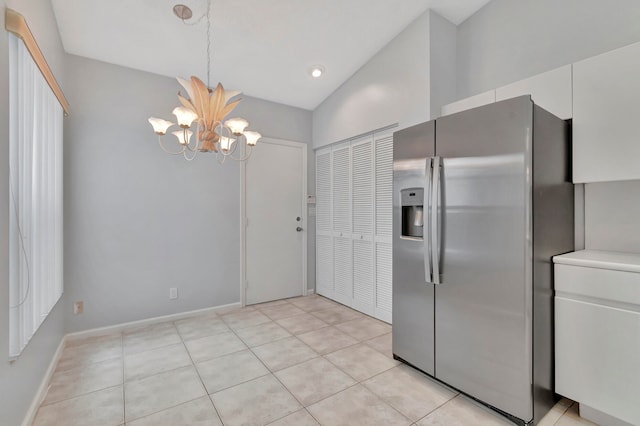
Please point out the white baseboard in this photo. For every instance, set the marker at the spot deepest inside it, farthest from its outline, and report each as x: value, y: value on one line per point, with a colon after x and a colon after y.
x: 41, y: 393
x: 44, y: 385
x: 149, y: 321
x: 311, y: 291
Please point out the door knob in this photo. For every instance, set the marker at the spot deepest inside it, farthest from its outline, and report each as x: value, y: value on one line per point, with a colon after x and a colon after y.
x: 298, y: 219
x: 299, y: 229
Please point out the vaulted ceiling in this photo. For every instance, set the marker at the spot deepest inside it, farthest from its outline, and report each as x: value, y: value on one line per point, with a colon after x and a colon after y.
x: 265, y: 48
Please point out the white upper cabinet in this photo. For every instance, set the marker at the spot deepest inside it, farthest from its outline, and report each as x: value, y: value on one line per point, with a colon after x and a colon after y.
x: 606, y: 111
x: 470, y: 102
x: 550, y: 90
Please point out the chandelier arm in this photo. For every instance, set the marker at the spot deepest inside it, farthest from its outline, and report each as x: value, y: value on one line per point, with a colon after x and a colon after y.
x: 166, y: 150
x: 220, y: 157
x: 186, y: 156
x: 196, y: 139
x: 247, y: 154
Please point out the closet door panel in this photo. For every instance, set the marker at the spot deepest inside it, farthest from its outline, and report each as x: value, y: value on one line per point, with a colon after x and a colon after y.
x: 324, y: 228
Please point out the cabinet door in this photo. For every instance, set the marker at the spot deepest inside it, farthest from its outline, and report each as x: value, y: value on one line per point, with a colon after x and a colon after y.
x: 606, y: 89
x: 383, y: 225
x: 362, y: 216
x: 550, y: 90
x: 324, y: 228
x: 597, y: 351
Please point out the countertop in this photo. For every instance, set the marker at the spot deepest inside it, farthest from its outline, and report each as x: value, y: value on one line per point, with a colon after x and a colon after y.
x: 618, y: 261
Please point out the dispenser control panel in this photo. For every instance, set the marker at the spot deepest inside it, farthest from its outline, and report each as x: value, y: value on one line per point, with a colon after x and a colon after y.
x: 412, y: 200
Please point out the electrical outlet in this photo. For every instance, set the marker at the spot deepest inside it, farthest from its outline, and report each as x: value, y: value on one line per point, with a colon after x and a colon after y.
x: 78, y: 307
x: 173, y: 293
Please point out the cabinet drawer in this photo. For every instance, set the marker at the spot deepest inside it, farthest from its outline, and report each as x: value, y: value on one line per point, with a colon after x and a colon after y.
x: 598, y: 357
x: 605, y: 284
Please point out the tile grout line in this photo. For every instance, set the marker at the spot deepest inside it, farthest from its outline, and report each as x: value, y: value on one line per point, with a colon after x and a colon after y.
x: 173, y: 369
x: 273, y: 375
x: 193, y: 364
x: 564, y: 412
x: 124, y: 400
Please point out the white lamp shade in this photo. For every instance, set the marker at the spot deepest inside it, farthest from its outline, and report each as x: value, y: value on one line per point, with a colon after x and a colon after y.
x: 236, y: 125
x: 252, y: 137
x: 180, y: 134
x: 226, y: 143
x: 185, y: 116
x: 160, y: 126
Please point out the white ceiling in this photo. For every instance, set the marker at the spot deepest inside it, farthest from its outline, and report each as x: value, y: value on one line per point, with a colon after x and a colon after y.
x: 263, y: 47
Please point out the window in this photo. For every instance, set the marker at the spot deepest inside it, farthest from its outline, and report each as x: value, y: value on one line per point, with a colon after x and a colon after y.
x: 35, y: 196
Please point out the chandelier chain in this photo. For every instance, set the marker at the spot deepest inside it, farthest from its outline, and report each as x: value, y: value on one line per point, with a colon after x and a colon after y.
x: 208, y: 43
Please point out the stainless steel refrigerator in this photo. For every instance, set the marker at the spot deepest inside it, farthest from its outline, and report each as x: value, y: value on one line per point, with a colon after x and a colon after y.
x: 482, y: 200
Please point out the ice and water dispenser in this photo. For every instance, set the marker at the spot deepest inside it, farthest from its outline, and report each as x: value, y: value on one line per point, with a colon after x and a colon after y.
x: 412, y: 200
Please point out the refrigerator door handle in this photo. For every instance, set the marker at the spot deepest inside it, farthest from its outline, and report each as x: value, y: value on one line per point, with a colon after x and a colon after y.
x: 436, y: 219
x: 428, y: 174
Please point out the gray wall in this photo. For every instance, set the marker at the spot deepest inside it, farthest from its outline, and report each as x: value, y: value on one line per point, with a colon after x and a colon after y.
x: 442, y: 63
x: 20, y: 380
x: 508, y: 40
x: 393, y: 87
x: 612, y: 216
x: 139, y: 221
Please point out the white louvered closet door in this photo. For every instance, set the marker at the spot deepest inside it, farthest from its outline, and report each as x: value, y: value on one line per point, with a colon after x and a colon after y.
x: 341, y: 206
x: 324, y: 228
x: 362, y: 215
x: 383, y: 224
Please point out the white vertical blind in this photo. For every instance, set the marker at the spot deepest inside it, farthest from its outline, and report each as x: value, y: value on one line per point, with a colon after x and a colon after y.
x: 35, y: 197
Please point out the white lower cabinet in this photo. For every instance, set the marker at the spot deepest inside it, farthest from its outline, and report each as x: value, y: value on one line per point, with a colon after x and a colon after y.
x: 597, y: 333
x: 353, y: 223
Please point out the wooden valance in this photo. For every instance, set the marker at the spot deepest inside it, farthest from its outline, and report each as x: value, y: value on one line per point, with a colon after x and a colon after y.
x: 15, y: 23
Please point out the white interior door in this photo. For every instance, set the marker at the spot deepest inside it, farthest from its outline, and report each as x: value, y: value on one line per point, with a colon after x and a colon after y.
x: 275, y: 236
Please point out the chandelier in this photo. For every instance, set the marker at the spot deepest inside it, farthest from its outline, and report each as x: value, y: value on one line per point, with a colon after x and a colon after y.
x: 202, y: 115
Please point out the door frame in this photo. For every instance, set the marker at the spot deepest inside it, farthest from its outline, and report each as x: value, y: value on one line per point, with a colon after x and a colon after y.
x: 243, y: 215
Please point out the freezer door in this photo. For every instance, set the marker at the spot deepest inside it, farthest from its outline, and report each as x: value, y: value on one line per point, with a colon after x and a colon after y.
x: 483, y: 303
x: 412, y: 291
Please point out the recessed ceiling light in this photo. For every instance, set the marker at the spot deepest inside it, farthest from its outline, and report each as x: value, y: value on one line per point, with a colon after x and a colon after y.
x: 317, y: 71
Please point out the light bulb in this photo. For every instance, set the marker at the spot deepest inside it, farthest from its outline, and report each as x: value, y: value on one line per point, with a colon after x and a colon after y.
x: 160, y: 126
x: 252, y: 137
x: 226, y: 143
x: 317, y: 71
x: 236, y: 125
x: 185, y: 116
x: 180, y: 134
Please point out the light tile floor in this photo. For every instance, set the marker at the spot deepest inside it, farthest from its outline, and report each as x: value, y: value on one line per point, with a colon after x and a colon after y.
x: 301, y: 361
